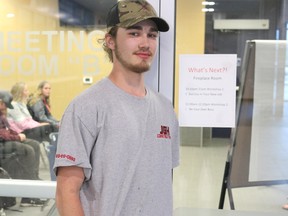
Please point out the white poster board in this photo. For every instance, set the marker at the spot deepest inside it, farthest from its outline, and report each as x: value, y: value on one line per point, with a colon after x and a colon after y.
x: 268, y: 157
x: 207, y: 90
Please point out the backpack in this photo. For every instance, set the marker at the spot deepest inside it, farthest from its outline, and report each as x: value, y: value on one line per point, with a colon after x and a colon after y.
x: 6, y: 202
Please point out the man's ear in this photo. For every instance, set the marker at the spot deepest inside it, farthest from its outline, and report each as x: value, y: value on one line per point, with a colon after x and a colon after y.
x: 109, y: 40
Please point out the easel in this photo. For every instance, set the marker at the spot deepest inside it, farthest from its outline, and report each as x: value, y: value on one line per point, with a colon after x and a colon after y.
x: 241, y: 134
x: 226, y: 182
x: 227, y: 169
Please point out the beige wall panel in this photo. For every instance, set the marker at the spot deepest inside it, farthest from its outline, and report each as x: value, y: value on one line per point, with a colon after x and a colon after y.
x: 34, y: 47
x: 190, y: 33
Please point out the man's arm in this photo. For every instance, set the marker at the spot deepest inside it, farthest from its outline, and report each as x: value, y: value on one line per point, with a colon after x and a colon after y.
x: 69, y: 182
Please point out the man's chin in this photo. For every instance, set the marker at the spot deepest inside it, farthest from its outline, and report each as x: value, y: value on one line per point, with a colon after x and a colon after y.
x: 141, y: 68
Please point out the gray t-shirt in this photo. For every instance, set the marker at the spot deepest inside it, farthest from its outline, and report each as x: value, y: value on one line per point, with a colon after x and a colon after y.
x: 127, y: 146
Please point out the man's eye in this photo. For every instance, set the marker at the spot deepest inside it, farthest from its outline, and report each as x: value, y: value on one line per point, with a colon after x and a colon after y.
x: 134, y: 33
x: 153, y: 35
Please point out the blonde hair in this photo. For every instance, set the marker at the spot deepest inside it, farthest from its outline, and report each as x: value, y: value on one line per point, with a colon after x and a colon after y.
x: 33, y: 98
x: 17, y: 92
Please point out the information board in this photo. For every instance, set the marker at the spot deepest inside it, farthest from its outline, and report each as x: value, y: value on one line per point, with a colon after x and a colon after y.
x: 207, y: 90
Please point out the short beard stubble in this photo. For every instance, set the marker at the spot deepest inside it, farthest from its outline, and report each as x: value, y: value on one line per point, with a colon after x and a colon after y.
x: 137, y: 68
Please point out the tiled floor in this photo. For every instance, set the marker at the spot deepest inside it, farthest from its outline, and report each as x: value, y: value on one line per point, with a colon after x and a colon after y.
x: 30, y: 211
x: 198, y: 181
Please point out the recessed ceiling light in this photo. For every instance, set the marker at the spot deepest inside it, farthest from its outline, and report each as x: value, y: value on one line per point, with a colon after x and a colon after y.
x: 10, y: 15
x: 208, y: 9
x: 208, y: 3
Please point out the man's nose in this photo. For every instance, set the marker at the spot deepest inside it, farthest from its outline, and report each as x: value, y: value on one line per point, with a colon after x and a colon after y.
x: 144, y: 41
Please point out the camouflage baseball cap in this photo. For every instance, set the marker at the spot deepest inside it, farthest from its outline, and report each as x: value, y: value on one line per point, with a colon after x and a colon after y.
x: 127, y: 13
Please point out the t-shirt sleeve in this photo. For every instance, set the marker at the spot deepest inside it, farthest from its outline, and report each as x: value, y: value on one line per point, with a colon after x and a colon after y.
x: 75, y: 142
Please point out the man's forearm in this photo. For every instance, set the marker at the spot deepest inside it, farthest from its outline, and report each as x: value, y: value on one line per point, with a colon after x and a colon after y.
x: 69, y: 204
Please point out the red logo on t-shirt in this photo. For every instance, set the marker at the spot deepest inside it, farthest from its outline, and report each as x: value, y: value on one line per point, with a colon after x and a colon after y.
x: 68, y: 157
x: 164, y: 132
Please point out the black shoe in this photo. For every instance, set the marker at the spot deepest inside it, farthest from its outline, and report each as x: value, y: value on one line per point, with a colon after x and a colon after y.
x: 25, y: 202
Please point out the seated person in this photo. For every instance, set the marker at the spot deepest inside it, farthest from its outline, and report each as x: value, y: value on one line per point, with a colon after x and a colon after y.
x: 18, y: 155
x: 39, y: 105
x: 40, y: 109
x: 20, y: 119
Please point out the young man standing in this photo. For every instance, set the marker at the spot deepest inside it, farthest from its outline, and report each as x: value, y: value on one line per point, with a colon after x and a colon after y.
x: 119, y: 140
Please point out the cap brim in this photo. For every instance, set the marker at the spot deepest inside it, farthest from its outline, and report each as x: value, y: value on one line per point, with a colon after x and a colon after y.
x: 10, y: 106
x: 162, y: 25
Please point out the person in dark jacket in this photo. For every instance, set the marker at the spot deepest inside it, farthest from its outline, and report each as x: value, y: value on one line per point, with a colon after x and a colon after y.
x: 39, y: 105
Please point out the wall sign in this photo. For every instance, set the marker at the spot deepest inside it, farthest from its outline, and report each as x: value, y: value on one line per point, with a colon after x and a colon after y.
x: 207, y: 90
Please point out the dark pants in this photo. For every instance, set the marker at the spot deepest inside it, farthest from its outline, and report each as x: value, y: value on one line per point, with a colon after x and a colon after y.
x: 20, y: 159
x: 40, y: 133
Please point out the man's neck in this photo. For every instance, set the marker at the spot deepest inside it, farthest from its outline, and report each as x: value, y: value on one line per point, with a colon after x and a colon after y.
x: 130, y: 82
